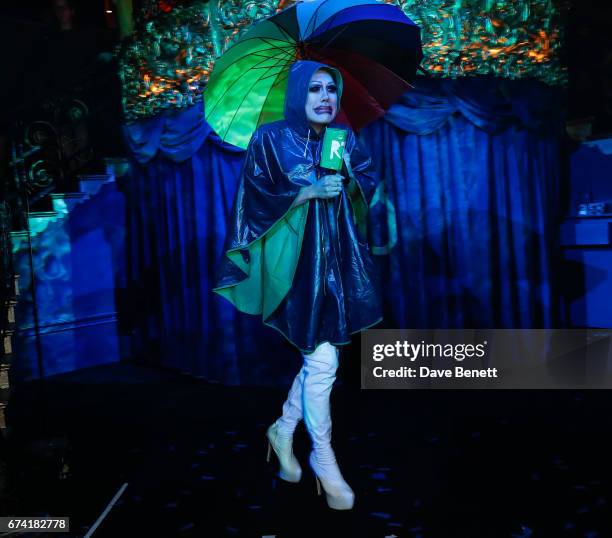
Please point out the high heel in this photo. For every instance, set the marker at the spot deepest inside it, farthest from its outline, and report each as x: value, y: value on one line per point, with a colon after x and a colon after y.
x: 338, y: 493
x: 290, y: 469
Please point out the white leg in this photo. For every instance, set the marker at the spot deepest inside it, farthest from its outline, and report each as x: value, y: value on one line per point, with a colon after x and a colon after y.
x: 292, y: 408
x: 319, y: 375
x: 280, y: 434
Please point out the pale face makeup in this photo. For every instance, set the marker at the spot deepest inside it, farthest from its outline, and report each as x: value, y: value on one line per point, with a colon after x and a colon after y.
x: 322, y: 100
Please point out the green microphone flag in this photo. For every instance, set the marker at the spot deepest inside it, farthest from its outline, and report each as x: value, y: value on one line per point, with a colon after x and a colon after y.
x: 333, y: 149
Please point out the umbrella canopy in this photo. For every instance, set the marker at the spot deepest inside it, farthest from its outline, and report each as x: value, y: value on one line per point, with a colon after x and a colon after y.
x: 374, y: 45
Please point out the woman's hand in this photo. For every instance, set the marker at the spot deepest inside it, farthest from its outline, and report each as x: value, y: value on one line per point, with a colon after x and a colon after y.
x: 327, y: 187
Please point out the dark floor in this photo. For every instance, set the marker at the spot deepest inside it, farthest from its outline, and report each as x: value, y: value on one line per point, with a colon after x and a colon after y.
x: 422, y: 463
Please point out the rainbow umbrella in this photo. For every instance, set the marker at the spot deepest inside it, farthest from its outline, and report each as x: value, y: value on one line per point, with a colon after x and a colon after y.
x: 373, y: 44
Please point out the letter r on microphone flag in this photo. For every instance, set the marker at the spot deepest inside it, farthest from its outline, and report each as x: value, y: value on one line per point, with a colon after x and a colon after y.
x: 333, y: 148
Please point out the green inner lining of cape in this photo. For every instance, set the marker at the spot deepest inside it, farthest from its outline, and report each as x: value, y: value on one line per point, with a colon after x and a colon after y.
x: 273, y: 258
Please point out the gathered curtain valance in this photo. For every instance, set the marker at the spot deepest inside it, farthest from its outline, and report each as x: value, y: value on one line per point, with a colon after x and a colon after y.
x: 491, y: 104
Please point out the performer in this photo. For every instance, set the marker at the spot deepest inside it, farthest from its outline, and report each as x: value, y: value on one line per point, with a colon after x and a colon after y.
x: 296, y: 253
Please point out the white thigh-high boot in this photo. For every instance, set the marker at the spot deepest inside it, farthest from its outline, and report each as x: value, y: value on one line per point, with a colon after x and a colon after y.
x: 292, y: 408
x: 319, y: 376
x: 280, y: 434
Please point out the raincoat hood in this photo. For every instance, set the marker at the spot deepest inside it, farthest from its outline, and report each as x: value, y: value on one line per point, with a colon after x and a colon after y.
x: 297, y: 92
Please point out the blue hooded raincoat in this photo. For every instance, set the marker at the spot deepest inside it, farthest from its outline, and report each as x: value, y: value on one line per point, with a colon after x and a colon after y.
x: 307, y: 269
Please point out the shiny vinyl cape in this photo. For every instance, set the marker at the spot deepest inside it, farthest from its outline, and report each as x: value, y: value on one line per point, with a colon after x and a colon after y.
x: 307, y: 270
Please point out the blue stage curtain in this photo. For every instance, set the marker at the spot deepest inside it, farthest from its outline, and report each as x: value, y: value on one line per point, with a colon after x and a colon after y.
x: 471, y: 170
x: 472, y: 167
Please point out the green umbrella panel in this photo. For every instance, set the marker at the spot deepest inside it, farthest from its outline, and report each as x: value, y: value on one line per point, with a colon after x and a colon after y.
x: 247, y: 87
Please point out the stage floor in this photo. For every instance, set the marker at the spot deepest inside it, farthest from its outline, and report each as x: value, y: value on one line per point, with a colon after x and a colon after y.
x: 422, y: 463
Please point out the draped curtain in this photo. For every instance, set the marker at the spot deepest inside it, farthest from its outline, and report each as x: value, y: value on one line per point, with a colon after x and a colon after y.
x: 471, y: 169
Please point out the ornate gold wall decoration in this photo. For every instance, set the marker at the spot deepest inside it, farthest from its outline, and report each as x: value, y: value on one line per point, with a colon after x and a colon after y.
x: 166, y: 62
